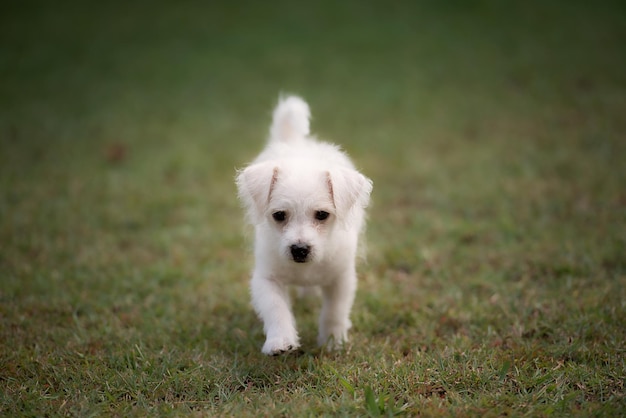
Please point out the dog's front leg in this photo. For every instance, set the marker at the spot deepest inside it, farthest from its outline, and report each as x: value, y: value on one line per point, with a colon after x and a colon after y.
x: 337, y: 300
x: 271, y: 302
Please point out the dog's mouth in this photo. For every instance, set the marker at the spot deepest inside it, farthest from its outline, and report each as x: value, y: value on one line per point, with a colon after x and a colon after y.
x: 300, y: 252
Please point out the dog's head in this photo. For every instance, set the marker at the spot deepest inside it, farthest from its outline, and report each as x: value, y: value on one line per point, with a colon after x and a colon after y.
x: 299, y: 205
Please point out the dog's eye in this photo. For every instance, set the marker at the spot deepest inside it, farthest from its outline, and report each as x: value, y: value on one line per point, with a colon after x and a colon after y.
x: 279, y: 216
x: 321, y: 215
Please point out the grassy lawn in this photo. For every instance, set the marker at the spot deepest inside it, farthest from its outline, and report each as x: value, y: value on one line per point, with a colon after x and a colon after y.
x: 495, y: 133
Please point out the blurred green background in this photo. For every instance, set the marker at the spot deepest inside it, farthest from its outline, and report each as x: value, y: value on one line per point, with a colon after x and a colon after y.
x: 495, y: 135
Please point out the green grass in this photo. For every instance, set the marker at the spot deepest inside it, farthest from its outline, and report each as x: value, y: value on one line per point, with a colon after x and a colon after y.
x: 495, y: 282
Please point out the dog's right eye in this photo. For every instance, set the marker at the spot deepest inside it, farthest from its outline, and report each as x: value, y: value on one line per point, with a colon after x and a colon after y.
x: 279, y: 216
x: 321, y: 215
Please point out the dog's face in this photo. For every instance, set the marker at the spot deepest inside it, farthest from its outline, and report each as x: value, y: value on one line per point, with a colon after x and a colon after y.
x: 299, y: 205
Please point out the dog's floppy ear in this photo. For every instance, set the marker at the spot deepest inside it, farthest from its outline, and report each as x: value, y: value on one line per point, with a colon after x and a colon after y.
x: 255, y: 184
x: 347, y: 189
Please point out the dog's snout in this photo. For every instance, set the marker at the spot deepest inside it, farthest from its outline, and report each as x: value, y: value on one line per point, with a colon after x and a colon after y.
x: 300, y: 252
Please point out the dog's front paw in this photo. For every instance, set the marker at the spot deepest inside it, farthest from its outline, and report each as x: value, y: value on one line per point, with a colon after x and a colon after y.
x: 278, y: 346
x: 333, y: 337
x: 331, y: 343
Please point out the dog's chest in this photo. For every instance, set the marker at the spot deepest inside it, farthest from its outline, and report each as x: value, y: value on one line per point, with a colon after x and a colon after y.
x: 311, y: 275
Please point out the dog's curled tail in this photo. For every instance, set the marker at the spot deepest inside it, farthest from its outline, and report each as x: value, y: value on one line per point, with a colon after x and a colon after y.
x: 290, y: 120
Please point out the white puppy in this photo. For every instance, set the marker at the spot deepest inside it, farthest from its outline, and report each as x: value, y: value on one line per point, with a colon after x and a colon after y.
x: 307, y: 204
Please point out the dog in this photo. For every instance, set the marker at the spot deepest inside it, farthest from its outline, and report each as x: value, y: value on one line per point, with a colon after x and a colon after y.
x: 307, y: 204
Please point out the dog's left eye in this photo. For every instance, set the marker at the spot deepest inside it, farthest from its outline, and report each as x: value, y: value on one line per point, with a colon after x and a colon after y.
x: 321, y: 215
x: 279, y: 216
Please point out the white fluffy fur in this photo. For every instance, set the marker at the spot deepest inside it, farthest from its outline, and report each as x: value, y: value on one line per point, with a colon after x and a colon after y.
x: 301, y: 179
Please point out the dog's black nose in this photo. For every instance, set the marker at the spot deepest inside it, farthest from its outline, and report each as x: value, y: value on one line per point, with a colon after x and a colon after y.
x: 300, y: 252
